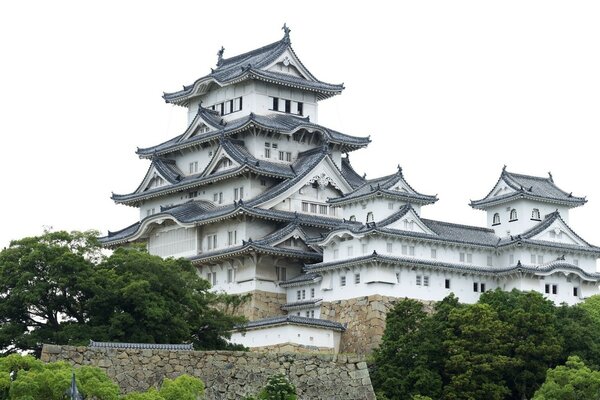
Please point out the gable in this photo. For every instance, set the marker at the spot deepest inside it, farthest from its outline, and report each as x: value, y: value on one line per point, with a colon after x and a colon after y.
x: 410, y: 222
x: 559, y: 232
x: 501, y: 189
x: 152, y: 180
x: 221, y: 161
x: 288, y: 63
x: 324, y: 174
x: 198, y: 127
x: 295, y: 241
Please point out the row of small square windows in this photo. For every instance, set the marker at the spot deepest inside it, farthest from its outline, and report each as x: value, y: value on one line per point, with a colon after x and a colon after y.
x: 535, y: 215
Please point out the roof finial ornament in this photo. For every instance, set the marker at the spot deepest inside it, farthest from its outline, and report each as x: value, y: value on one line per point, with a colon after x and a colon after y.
x: 220, y: 55
x: 286, y: 33
x: 550, y: 176
x: 399, y: 169
x: 504, y: 168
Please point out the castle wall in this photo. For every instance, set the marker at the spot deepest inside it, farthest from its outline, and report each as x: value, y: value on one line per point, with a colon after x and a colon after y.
x: 364, y: 318
x: 227, y: 374
x: 263, y: 305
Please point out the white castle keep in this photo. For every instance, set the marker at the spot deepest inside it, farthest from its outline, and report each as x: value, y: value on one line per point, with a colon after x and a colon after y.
x: 264, y: 200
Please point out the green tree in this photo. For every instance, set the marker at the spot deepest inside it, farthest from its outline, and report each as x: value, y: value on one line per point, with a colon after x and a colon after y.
x: 572, y: 381
x: 26, y: 378
x: 153, y: 300
x: 410, y: 359
x: 58, y: 288
x: 477, y: 349
x: 592, y: 306
x: 580, y: 333
x: 533, y: 338
x: 278, y: 387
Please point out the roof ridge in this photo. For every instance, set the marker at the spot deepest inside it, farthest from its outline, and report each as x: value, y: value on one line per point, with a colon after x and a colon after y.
x: 481, y: 228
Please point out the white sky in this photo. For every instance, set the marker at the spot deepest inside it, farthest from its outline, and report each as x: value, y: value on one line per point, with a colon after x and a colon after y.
x: 451, y: 90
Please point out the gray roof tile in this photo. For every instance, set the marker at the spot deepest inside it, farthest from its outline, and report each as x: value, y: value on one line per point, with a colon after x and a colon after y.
x: 530, y: 187
x: 251, y: 65
x: 293, y: 320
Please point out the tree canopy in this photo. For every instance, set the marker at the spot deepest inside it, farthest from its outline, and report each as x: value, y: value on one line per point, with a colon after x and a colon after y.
x: 25, y: 377
x: 498, y: 348
x: 59, y: 288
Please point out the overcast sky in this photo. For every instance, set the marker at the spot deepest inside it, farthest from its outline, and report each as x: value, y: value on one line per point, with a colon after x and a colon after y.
x: 450, y: 90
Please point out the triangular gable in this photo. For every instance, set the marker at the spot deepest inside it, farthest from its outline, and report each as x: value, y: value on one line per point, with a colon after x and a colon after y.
x: 152, y: 180
x: 559, y: 232
x: 295, y: 240
x: 288, y: 63
x: 220, y: 161
x: 502, y: 188
x: 200, y: 125
x: 410, y: 222
x: 323, y: 174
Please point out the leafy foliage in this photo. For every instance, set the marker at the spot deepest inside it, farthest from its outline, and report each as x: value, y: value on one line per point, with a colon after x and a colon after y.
x: 33, y: 380
x: 26, y: 378
x: 278, y: 387
x: 571, y: 381
x: 499, y: 348
x: 59, y: 289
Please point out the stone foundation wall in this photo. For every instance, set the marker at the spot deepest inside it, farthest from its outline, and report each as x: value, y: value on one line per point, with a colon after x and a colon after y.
x: 364, y: 318
x: 227, y: 374
x: 263, y: 305
x: 293, y: 348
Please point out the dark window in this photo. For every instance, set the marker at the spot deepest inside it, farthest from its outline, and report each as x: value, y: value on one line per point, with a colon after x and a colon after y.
x: 554, y: 289
x: 547, y: 288
x: 496, y: 219
x: 475, y: 286
x: 300, y: 109
x: 275, y: 103
x: 482, y: 287
x: 575, y: 291
x: 288, y: 106
x: 447, y: 284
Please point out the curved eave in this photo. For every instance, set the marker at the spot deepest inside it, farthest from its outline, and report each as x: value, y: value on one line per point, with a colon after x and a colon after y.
x: 543, y: 270
x: 252, y: 248
x: 483, y: 204
x: 545, y: 244
x: 134, y: 199
x: 201, y: 86
x: 291, y: 320
x: 301, y: 305
x: 252, y: 123
x: 301, y: 282
x: 388, y: 194
x: 399, y: 233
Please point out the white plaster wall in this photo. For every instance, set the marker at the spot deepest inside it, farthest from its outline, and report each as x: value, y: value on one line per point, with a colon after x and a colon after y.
x: 281, y: 334
x: 380, y: 207
x: 524, y: 209
x: 173, y: 241
x: 460, y: 284
x: 219, y: 95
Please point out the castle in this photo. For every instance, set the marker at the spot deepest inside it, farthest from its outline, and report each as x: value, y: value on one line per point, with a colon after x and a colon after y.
x: 264, y: 200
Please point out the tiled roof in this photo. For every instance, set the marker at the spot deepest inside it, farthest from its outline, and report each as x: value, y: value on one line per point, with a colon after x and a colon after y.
x: 233, y: 148
x: 251, y: 65
x: 383, y: 187
x: 252, y: 247
x: 293, y: 320
x: 468, y: 268
x: 529, y: 187
x: 141, y: 346
x: 301, y: 305
x: 351, y: 176
x: 283, y: 123
x: 444, y: 231
x: 526, y: 237
x: 301, y: 280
